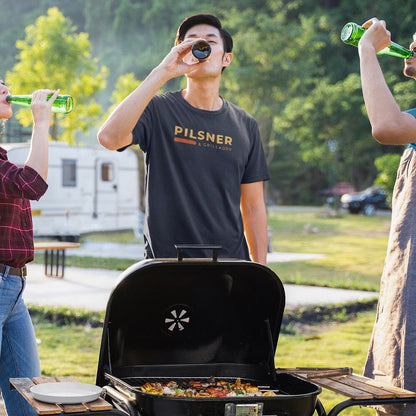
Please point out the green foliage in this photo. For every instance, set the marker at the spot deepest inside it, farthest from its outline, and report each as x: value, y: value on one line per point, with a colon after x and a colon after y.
x: 290, y: 70
x: 327, y: 127
x: 387, y: 166
x: 320, y: 314
x: 124, y: 86
x: 61, y: 316
x: 53, y: 55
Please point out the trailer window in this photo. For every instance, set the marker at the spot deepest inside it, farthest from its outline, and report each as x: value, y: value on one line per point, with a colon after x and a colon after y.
x: 107, y: 172
x: 69, y: 172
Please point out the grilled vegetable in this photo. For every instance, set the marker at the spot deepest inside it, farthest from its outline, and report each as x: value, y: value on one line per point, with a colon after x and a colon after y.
x: 206, y: 388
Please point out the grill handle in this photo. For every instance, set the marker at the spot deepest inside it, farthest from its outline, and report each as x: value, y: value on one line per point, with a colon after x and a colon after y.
x: 181, y: 247
x: 120, y: 401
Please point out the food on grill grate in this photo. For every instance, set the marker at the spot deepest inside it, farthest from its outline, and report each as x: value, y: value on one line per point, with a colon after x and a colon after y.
x: 205, y: 388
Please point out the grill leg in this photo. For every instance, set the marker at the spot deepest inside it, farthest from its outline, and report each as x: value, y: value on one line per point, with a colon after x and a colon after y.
x: 320, y: 408
x: 370, y: 402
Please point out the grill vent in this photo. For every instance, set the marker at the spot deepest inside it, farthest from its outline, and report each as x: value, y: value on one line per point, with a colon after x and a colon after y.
x: 177, y: 319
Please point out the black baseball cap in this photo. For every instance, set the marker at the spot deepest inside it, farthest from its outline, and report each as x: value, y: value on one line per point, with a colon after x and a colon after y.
x: 207, y: 19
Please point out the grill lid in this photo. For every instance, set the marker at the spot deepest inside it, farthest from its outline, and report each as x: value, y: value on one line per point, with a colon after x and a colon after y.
x: 194, y: 317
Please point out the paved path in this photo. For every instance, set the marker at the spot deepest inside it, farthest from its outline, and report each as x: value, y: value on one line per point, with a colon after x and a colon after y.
x: 90, y: 288
x: 135, y: 251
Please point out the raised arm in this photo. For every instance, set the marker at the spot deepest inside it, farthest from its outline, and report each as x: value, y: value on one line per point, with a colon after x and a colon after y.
x: 116, y: 132
x: 389, y: 124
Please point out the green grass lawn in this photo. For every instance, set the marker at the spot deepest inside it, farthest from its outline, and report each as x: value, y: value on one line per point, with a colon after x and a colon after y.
x: 354, y: 247
x: 74, y: 349
x: 331, y: 345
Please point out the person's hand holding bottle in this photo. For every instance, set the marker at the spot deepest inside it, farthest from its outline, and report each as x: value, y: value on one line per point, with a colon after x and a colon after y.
x: 376, y: 36
x: 42, y: 114
x: 42, y: 107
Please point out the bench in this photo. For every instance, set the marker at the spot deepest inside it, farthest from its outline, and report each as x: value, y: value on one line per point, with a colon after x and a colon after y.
x: 55, y: 256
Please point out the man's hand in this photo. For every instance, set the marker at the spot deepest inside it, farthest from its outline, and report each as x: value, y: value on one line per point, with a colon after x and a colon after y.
x: 376, y: 36
x: 174, y: 65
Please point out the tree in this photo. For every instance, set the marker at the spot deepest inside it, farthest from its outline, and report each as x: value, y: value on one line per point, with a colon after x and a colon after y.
x: 276, y: 65
x: 290, y: 70
x: 333, y: 112
x: 53, y: 55
x: 124, y: 86
x: 387, y: 166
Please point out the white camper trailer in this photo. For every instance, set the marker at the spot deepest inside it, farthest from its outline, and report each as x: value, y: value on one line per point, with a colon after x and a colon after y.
x: 90, y: 189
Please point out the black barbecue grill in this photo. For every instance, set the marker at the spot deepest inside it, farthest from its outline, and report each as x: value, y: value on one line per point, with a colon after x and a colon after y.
x: 195, y: 319
x: 186, y: 320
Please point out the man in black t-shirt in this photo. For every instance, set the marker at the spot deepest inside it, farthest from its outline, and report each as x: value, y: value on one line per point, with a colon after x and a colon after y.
x: 205, y: 164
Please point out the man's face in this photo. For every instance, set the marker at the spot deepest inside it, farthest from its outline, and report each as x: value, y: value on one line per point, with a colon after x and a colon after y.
x: 218, y: 58
x: 410, y: 63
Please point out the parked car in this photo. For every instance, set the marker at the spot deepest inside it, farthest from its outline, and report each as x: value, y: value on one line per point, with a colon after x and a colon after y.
x: 367, y: 201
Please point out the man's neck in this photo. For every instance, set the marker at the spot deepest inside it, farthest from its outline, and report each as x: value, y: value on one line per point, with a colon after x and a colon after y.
x: 202, y: 96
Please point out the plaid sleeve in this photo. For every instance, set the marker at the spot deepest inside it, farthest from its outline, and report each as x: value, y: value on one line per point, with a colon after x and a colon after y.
x: 17, y: 182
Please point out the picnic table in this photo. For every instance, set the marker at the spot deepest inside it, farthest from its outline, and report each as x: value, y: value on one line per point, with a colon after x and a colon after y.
x: 54, y: 258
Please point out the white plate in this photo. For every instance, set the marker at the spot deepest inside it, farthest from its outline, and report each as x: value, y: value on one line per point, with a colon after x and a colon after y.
x: 65, y: 392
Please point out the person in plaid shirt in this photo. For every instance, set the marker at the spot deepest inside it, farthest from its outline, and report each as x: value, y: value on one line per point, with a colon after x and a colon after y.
x: 18, y: 185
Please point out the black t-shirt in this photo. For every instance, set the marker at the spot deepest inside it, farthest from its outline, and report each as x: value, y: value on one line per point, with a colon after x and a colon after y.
x: 195, y: 162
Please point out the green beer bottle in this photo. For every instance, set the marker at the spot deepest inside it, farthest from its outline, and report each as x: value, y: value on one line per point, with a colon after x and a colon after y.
x: 62, y: 104
x: 201, y: 50
x: 351, y: 34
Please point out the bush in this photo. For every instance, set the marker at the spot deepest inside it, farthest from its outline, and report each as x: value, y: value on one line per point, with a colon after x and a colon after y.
x: 66, y: 316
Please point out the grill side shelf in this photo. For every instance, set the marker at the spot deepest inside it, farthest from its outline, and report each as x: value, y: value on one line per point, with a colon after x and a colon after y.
x: 351, y: 385
x: 23, y: 385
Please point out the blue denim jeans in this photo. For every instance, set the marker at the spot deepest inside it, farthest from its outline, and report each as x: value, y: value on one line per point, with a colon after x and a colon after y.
x: 18, y: 350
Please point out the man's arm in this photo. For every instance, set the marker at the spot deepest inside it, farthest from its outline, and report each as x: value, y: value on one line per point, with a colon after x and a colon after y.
x: 389, y: 124
x: 116, y: 132
x: 253, y: 210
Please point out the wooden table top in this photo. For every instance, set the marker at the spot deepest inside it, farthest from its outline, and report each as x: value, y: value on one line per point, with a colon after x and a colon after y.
x: 344, y: 381
x: 55, y: 245
x: 23, y: 385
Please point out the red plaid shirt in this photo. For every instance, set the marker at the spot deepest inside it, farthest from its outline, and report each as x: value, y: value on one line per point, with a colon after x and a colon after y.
x: 17, y: 187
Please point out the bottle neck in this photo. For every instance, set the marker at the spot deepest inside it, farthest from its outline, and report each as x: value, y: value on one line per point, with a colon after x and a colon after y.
x: 394, y: 49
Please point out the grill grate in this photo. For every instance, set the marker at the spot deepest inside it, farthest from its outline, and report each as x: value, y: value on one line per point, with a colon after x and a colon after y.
x: 136, y: 382
x: 292, y: 396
